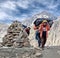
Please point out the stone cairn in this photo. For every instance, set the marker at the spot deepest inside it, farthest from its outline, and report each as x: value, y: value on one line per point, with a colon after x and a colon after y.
x: 16, y: 36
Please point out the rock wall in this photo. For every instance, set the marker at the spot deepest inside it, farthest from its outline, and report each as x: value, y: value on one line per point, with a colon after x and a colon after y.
x: 18, y: 53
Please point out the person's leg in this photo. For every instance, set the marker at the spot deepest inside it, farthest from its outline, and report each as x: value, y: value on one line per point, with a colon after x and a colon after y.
x: 36, y: 35
x: 39, y: 40
x: 43, y: 39
x: 42, y: 43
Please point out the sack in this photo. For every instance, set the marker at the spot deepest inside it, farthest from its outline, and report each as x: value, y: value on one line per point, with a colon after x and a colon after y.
x: 37, y: 22
x: 24, y: 26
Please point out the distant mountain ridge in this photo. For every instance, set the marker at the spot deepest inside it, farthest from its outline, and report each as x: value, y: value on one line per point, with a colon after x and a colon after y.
x: 43, y: 14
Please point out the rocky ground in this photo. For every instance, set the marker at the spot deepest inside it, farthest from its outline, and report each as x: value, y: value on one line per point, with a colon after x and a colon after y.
x: 19, y: 53
x: 51, y: 52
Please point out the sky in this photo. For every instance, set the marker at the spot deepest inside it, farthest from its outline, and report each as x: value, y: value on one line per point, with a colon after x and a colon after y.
x: 20, y: 10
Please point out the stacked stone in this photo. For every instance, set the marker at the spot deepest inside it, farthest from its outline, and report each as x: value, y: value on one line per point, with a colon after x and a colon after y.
x: 16, y: 36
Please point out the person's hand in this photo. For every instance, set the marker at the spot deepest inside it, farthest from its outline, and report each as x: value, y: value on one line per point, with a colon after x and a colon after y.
x: 40, y: 36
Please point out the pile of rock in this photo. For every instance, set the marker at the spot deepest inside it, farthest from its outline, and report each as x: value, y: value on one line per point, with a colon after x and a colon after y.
x: 16, y: 36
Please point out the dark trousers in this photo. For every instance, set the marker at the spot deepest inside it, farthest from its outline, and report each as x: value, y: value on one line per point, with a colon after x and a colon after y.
x: 43, y: 39
x: 39, y: 42
x: 38, y: 38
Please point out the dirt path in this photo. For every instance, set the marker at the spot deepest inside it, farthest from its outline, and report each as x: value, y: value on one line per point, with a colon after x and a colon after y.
x: 52, y: 52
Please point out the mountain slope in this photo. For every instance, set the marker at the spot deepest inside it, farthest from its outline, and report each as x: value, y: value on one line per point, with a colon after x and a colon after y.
x: 54, y: 34
x: 3, y: 30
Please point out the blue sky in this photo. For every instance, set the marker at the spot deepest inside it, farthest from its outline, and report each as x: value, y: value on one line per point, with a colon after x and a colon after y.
x: 21, y: 9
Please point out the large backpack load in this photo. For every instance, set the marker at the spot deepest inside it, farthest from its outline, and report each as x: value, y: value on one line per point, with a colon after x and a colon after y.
x: 38, y: 21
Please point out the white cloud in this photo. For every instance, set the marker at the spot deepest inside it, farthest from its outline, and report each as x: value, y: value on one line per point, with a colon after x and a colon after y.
x: 23, y: 17
x: 9, y: 5
x: 52, y: 6
x: 23, y: 3
x: 4, y: 9
x: 20, y: 18
x: 3, y: 15
x: 5, y: 6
